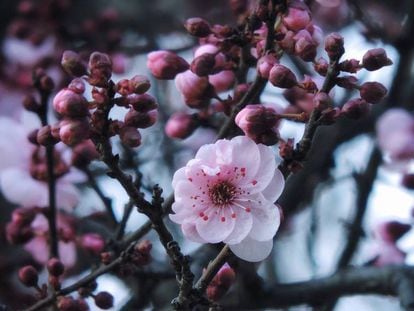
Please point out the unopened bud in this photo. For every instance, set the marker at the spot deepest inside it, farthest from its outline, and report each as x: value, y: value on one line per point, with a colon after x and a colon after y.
x: 372, y: 92
x: 297, y: 19
x: 139, y: 84
x: 104, y: 300
x: 31, y: 104
x: 356, y: 108
x: 203, y: 65
x: 55, y: 267
x: 45, y: 137
x: 321, y: 66
x: 197, y: 27
x: 180, y: 125
x: 72, y: 64
x: 166, y: 65
x: 142, y: 103
x: 349, y: 65
x: 130, y: 136
x: 282, y: 77
x: 72, y: 132
x: 28, y: 276
x: 139, y: 119
x: 92, y: 242
x: 334, y: 46
x: 375, y: 59
x: 348, y: 82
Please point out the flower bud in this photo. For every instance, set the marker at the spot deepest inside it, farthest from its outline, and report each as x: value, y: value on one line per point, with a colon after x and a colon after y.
x: 142, y: 103
x: 92, y: 242
x: 139, y: 84
x: 375, y: 59
x: 350, y: 65
x: 372, y: 92
x: 321, y: 66
x: 70, y: 104
x: 139, y: 119
x: 130, y: 136
x: 18, y: 234
x: 203, y: 65
x: 72, y: 64
x: 221, y: 283
x: 334, y: 46
x: 31, y: 104
x: 23, y: 216
x: 46, y: 84
x: 104, y: 300
x: 100, y: 68
x: 305, y: 46
x: 83, y: 154
x: 282, y: 77
x: 193, y: 87
x: 67, y: 303
x: 123, y: 87
x: 73, y: 132
x: 180, y: 125
x: 55, y: 267
x: 142, y: 253
x: 165, y: 65
x: 197, y: 27
x: 356, y: 108
x: 322, y: 101
x: 297, y: 19
x: 258, y: 123
x: 392, y: 231
x: 265, y: 64
x: 28, y: 276
x: 77, y: 85
x: 222, y: 81
x: 347, y: 82
x: 45, y: 137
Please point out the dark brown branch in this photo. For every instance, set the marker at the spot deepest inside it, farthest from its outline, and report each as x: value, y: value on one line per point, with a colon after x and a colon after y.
x: 391, y: 280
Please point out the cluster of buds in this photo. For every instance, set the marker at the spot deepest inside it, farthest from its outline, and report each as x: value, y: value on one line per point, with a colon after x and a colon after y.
x: 221, y: 283
x: 83, y: 119
x: 19, y: 230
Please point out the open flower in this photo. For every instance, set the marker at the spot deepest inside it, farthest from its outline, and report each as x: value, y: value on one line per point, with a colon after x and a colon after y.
x: 227, y: 194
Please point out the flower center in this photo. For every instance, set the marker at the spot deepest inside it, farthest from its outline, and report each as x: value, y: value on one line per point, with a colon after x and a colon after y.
x: 222, y: 193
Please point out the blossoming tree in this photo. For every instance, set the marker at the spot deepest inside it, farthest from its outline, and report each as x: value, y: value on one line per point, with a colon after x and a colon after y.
x: 210, y: 177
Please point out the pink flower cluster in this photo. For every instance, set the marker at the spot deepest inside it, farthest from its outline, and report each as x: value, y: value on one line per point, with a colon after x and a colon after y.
x: 227, y: 194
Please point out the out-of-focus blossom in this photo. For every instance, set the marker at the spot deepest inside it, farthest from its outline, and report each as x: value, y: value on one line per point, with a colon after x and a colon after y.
x: 19, y: 183
x: 38, y: 247
x: 395, y: 134
x: 224, y: 196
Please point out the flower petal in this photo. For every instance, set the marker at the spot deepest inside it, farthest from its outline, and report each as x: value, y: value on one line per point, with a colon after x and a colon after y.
x: 244, y: 222
x: 213, y: 229
x: 275, y: 188
x: 190, y: 232
x: 252, y: 250
x: 266, y: 221
x: 67, y: 195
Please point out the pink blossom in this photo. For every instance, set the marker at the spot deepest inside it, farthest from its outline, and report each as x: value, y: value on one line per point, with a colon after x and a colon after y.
x: 16, y: 181
x: 395, y: 133
x: 38, y: 247
x: 165, y: 65
x: 227, y: 194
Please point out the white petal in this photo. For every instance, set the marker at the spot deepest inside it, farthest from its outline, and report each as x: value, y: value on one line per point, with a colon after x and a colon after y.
x: 245, y: 154
x: 275, y: 188
x: 20, y: 188
x: 266, y: 222
x: 214, y: 230
x: 67, y: 195
x: 178, y: 176
x: 190, y: 232
x: 243, y: 226
x: 252, y: 250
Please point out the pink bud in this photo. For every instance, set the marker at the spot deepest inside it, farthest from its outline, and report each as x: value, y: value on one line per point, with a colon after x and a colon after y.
x: 321, y: 66
x: 28, y: 276
x: 72, y: 64
x: 334, y: 45
x: 139, y: 84
x: 305, y: 47
x: 142, y: 103
x: 165, y: 65
x: 44, y: 136
x: 139, y: 119
x: 265, y: 64
x: 18, y: 234
x: 180, y: 125
x: 92, y: 242
x: 322, y: 101
x: 130, y: 136
x: 203, y: 65
x: 356, y: 108
x: 193, y: 87
x: 23, y: 216
x: 221, y: 283
x: 287, y: 42
x: 222, y: 81
x: 350, y: 65
x: 220, y: 59
x: 372, y: 92
x: 73, y: 132
x: 70, y: 104
x: 375, y: 59
x: 123, y: 87
x: 296, y: 19
x: 282, y: 77
x: 77, y: 85
x: 104, y: 300
x: 197, y: 27
x: 259, y: 123
x: 100, y: 67
x: 83, y: 154
x: 55, y: 267
x: 347, y: 82
x: 31, y: 104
